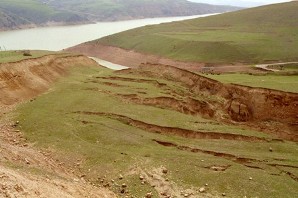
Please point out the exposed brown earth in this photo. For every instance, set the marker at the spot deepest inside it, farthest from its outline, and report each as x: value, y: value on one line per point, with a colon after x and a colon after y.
x: 24, y: 170
x: 134, y: 59
x: 270, y: 110
x: 188, y: 106
x: 175, y: 130
x: 248, y: 162
x: 27, y: 78
x: 27, y: 172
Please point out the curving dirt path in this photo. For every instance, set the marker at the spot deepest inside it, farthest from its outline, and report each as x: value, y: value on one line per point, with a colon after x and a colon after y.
x: 265, y: 66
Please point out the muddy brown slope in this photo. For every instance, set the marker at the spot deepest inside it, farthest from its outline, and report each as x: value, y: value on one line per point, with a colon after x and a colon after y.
x: 270, y: 110
x: 27, y: 78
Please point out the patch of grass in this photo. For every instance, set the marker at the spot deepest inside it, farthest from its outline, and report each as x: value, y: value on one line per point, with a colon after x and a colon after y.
x: 108, y: 147
x: 14, y: 56
x: 248, y: 36
x: 292, y: 67
x: 278, y: 82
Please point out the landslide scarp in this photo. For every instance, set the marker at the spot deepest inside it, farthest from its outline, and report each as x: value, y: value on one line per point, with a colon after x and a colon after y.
x: 266, y: 109
x: 26, y: 79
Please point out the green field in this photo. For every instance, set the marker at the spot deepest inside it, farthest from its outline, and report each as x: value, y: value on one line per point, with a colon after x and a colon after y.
x: 278, y: 82
x: 85, y: 118
x: 257, y: 35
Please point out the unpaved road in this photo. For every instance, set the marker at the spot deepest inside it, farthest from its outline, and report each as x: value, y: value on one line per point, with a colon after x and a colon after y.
x: 265, y: 66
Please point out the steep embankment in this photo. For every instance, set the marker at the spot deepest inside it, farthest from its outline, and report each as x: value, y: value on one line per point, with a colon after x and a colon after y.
x: 27, y: 78
x: 264, y: 108
x: 24, y: 170
x: 263, y: 34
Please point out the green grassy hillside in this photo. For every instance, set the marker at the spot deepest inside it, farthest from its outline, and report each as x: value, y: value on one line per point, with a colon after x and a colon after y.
x: 127, y: 9
x: 95, y: 126
x: 268, y: 33
x: 15, y: 56
x: 16, y: 13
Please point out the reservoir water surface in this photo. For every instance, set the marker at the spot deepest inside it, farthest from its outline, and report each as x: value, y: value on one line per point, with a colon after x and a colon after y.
x: 61, y: 37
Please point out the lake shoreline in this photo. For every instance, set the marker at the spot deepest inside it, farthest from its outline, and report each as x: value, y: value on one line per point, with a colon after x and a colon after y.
x: 65, y: 24
x: 57, y: 38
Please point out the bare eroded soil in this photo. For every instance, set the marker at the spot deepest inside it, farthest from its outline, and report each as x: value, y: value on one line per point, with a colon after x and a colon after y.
x: 24, y: 170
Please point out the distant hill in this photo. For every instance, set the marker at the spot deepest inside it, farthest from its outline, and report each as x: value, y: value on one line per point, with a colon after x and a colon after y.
x: 267, y: 33
x: 22, y: 13
x: 18, y: 13
x: 130, y: 9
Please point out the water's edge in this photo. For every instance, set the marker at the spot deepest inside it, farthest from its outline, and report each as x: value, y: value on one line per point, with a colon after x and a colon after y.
x: 62, y: 37
x: 108, y: 64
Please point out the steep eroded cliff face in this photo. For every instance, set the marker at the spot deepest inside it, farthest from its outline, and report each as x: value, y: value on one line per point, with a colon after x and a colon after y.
x: 270, y: 110
x: 26, y: 79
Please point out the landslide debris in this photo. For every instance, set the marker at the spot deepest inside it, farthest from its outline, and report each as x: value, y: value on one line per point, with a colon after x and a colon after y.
x: 269, y: 110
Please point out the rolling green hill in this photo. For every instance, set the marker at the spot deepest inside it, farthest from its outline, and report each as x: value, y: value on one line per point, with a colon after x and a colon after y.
x: 268, y: 33
x: 129, y: 9
x: 18, y: 13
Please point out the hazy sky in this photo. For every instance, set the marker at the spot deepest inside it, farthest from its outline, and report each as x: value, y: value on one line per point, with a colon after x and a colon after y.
x: 246, y: 3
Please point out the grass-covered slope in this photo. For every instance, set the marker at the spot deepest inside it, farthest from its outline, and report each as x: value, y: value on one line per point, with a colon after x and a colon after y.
x: 102, y: 125
x: 268, y: 33
x: 18, y: 13
x: 128, y: 9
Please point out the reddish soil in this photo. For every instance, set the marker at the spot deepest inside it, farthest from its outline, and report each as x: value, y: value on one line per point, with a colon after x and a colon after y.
x: 134, y: 59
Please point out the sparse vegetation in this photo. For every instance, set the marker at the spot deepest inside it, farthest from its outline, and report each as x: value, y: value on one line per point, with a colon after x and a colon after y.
x: 84, y: 127
x: 13, y: 56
